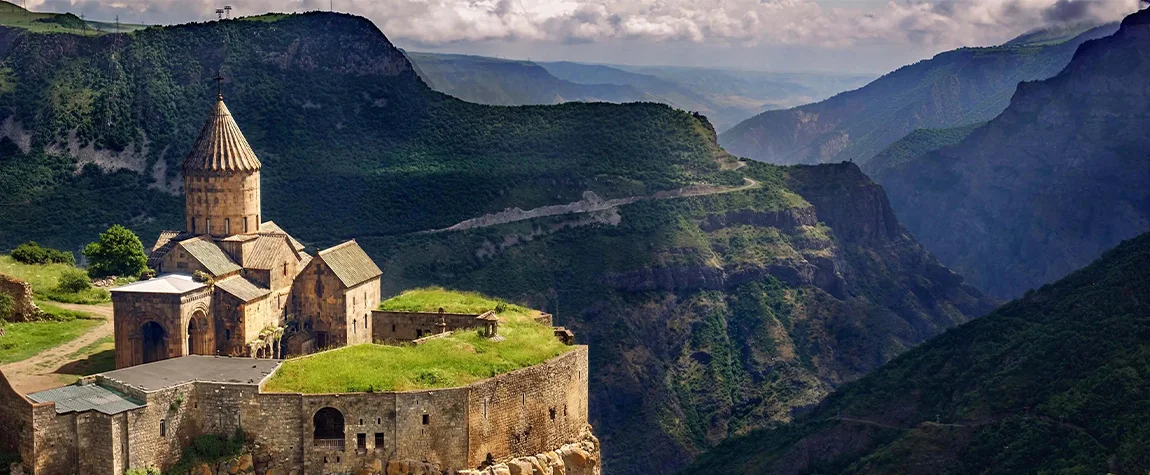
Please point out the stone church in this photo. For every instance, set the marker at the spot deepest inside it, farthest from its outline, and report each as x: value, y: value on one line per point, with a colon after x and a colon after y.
x: 232, y: 284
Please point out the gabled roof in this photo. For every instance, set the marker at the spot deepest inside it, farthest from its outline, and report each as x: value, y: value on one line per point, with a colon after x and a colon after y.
x: 164, y: 284
x: 164, y: 244
x: 350, y: 263
x: 209, y: 255
x: 272, y: 227
x: 221, y: 146
x: 242, y: 289
x: 262, y: 253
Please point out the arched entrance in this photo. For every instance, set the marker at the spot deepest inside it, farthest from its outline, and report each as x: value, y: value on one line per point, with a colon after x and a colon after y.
x: 328, y: 428
x: 198, y: 334
x: 154, y: 340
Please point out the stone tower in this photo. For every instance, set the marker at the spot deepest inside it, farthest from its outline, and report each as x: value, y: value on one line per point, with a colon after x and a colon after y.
x: 222, y: 179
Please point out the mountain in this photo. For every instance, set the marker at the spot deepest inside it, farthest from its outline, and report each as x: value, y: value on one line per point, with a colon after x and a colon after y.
x: 717, y: 296
x: 1055, y: 382
x: 724, y: 96
x: 954, y: 88
x: 1047, y: 186
x: 913, y: 146
x: 484, y: 80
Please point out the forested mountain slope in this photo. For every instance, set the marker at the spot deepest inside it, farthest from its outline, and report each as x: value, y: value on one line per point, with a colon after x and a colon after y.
x: 1060, y: 176
x: 707, y: 316
x: 1055, y: 382
x: 954, y: 88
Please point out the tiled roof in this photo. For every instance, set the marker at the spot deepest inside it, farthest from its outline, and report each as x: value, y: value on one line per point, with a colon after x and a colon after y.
x: 164, y: 244
x: 262, y: 254
x: 221, y: 146
x: 272, y: 227
x: 242, y: 289
x: 350, y: 263
x: 164, y: 284
x: 88, y: 397
x: 208, y: 254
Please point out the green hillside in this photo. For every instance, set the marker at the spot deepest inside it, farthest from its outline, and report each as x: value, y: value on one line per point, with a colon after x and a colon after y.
x: 1055, y: 382
x: 15, y: 16
x: 954, y: 88
x: 716, y: 296
x: 915, y: 144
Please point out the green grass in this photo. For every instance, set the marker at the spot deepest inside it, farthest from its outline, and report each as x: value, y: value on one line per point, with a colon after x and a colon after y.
x: 45, y: 277
x: 37, y: 22
x: 457, y: 360
x: 25, y: 339
x: 431, y: 299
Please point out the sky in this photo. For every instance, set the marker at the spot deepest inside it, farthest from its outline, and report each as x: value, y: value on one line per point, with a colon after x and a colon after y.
x: 868, y: 36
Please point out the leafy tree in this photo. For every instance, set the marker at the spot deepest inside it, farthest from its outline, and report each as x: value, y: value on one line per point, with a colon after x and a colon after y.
x: 74, y: 281
x: 118, y: 252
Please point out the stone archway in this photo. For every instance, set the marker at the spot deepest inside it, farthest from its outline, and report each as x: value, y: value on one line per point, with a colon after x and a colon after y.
x: 328, y: 423
x: 154, y: 342
x: 199, y: 334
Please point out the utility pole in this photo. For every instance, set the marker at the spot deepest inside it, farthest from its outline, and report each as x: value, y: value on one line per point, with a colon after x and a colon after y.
x: 219, y: 13
x: 83, y: 24
x: 227, y: 11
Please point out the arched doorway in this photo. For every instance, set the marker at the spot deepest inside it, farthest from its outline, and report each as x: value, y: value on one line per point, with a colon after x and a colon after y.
x: 154, y: 339
x: 198, y: 334
x: 328, y: 428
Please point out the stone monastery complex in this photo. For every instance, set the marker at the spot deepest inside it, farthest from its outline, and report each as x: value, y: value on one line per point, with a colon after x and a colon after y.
x: 235, y: 296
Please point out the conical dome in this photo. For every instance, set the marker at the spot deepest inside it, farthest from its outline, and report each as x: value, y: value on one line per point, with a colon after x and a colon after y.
x: 221, y: 146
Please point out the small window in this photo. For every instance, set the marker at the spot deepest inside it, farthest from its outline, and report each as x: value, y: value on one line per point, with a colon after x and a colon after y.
x: 208, y: 226
x: 354, y: 326
x: 164, y: 428
x: 227, y: 335
x: 285, y: 269
x: 227, y: 225
x: 379, y: 440
x: 193, y: 225
x: 379, y: 420
x: 361, y: 422
x: 426, y: 419
x: 245, y: 224
x: 393, y: 328
x: 361, y: 441
x: 552, y: 411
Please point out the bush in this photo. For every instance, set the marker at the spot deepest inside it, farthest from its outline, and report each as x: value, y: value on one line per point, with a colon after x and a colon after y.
x: 32, y: 253
x: 118, y: 252
x: 7, y: 306
x: 73, y: 281
x: 142, y: 471
x: 210, y: 448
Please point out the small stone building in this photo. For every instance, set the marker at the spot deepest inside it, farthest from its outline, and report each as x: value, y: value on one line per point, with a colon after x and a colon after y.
x: 231, y: 284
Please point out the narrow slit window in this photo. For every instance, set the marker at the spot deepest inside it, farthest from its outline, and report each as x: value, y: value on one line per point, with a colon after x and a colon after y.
x: 163, y: 428
x: 227, y: 225
x: 426, y: 419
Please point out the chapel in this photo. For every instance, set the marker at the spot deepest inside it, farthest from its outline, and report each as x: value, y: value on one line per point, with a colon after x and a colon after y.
x: 231, y: 284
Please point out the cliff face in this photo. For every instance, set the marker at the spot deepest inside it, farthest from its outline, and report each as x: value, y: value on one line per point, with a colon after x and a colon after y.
x: 710, y: 316
x: 1051, y: 183
x: 1050, y: 383
x: 954, y: 88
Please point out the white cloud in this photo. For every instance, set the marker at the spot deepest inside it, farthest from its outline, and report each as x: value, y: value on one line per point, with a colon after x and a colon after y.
x: 939, y: 24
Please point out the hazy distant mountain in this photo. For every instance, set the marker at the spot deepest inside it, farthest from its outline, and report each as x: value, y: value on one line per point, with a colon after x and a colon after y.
x: 1055, y: 382
x: 1060, y: 176
x: 494, y: 81
x: 954, y: 88
x: 724, y: 96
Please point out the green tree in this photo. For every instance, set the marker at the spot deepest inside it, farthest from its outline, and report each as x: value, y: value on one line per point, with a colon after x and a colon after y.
x: 118, y: 252
x: 74, y: 281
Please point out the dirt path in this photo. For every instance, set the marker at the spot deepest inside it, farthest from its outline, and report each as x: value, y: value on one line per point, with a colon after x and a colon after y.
x: 40, y: 372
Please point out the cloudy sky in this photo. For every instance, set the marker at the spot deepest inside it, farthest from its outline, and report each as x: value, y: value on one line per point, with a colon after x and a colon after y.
x: 830, y: 35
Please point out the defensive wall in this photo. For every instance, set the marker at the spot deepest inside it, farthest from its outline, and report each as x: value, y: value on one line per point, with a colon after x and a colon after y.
x: 156, y: 411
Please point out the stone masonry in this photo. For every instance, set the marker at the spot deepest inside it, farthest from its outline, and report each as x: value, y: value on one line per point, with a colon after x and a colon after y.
x: 23, y: 308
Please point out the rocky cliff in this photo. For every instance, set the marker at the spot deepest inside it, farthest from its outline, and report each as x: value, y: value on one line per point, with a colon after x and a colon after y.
x: 1047, y: 186
x: 954, y: 88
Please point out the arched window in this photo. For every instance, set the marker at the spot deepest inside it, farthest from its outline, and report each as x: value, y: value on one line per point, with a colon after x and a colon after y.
x: 227, y: 225
x: 245, y: 224
x: 193, y: 225
x: 207, y: 225
x: 328, y: 428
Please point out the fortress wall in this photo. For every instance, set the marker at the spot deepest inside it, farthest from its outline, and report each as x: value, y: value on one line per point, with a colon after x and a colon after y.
x: 403, y: 326
x: 529, y: 411
x: 148, y: 447
x: 375, y: 410
x: 55, y: 440
x: 95, y: 452
x: 16, y: 415
x: 443, y: 439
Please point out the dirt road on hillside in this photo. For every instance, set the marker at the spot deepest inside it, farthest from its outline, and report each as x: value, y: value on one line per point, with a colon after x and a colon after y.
x: 40, y: 372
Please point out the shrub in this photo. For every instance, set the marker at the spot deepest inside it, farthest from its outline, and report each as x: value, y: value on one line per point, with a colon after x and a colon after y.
x: 7, y: 306
x: 118, y: 252
x: 142, y: 471
x: 32, y: 253
x: 73, y: 281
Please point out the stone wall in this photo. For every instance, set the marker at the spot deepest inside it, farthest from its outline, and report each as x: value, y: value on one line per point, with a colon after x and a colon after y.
x: 407, y: 326
x: 24, y: 309
x: 16, y: 416
x: 528, y: 411
x: 318, y: 303
x: 580, y: 457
